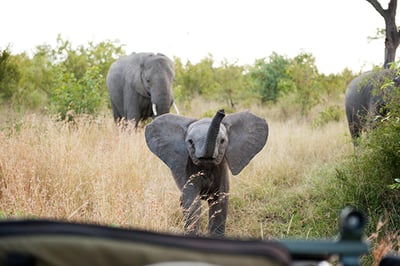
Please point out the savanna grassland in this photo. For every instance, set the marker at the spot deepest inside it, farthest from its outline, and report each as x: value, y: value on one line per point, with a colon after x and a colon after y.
x: 62, y: 156
x: 93, y: 171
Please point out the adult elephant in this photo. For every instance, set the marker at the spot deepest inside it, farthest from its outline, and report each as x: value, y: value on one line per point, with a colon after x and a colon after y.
x: 199, y: 153
x: 140, y: 86
x: 365, y: 99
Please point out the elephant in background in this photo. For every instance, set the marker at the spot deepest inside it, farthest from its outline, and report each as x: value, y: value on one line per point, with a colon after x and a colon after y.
x: 199, y: 153
x: 365, y: 99
x: 140, y: 86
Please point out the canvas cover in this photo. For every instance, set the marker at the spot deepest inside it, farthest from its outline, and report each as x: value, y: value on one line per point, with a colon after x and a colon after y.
x: 55, y: 243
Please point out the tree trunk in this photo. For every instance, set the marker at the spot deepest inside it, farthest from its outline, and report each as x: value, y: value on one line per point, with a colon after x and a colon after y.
x: 392, y: 35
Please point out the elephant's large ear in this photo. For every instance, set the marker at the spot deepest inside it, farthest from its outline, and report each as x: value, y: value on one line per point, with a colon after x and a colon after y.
x: 247, y: 135
x: 165, y: 137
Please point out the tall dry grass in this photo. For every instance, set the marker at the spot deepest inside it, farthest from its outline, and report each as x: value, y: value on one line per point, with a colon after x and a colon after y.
x: 280, y: 184
x: 91, y: 171
x: 95, y: 172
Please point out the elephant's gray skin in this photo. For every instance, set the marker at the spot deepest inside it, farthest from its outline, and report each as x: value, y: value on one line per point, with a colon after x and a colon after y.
x: 365, y: 99
x: 140, y: 86
x: 199, y: 153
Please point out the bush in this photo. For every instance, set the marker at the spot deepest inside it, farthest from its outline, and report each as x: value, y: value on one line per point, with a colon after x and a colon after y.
x: 72, y: 97
x: 331, y: 113
x: 9, y: 75
x: 368, y: 178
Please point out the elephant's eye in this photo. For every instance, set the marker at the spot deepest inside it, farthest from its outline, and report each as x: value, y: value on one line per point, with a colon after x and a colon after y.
x: 190, y: 141
x: 222, y: 141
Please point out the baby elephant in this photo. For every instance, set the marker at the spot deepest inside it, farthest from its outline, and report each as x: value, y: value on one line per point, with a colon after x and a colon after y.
x: 199, y: 152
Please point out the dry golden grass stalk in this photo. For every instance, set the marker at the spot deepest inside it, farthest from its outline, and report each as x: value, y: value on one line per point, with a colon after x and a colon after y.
x: 97, y: 172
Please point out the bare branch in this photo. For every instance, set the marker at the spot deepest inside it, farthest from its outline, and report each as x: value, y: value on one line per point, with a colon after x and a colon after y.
x: 378, y: 6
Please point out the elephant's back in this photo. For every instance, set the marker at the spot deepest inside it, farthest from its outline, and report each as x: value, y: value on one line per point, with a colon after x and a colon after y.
x: 360, y: 83
x: 123, y: 68
x: 124, y: 63
x: 364, y: 94
x: 359, y: 90
x: 353, y: 92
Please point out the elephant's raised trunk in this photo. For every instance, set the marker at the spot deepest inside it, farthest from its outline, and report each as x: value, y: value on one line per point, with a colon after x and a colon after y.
x: 213, y: 133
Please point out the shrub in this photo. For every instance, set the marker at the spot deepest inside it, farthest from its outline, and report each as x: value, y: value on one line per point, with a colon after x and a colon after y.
x: 9, y: 74
x: 369, y: 177
x: 331, y: 113
x: 72, y: 97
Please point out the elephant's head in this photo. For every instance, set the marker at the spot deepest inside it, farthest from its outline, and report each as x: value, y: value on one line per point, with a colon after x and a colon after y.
x: 236, y: 137
x: 206, y: 140
x: 157, y: 76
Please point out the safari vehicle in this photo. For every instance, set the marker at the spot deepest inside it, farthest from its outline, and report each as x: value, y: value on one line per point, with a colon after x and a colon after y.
x: 55, y: 243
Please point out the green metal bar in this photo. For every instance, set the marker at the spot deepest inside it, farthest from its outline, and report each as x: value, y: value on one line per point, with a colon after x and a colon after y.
x: 349, y: 247
x: 316, y: 247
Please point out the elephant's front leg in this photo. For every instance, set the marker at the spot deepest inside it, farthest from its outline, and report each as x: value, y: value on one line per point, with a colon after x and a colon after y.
x: 191, y: 204
x: 218, y: 210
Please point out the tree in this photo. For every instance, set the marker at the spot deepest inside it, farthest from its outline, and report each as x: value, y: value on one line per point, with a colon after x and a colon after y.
x: 9, y: 75
x: 267, y: 74
x: 71, y: 96
x: 304, y: 73
x: 194, y: 79
x: 335, y: 84
x: 227, y: 82
x: 78, y: 60
x: 392, y: 35
x: 231, y: 82
x: 35, y: 82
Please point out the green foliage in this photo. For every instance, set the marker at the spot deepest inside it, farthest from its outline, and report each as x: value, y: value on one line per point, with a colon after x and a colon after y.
x: 294, y: 84
x: 281, y: 80
x: 335, y: 84
x: 295, y: 78
x: 226, y: 82
x: 198, y: 79
x: 63, y: 77
x: 396, y: 184
x: 182, y: 85
x: 78, y: 60
x: 71, y: 96
x: 9, y: 75
x: 36, y: 80
x: 370, y: 178
x: 232, y: 83
x: 209, y: 113
x: 303, y: 72
x: 331, y: 113
x: 268, y: 77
